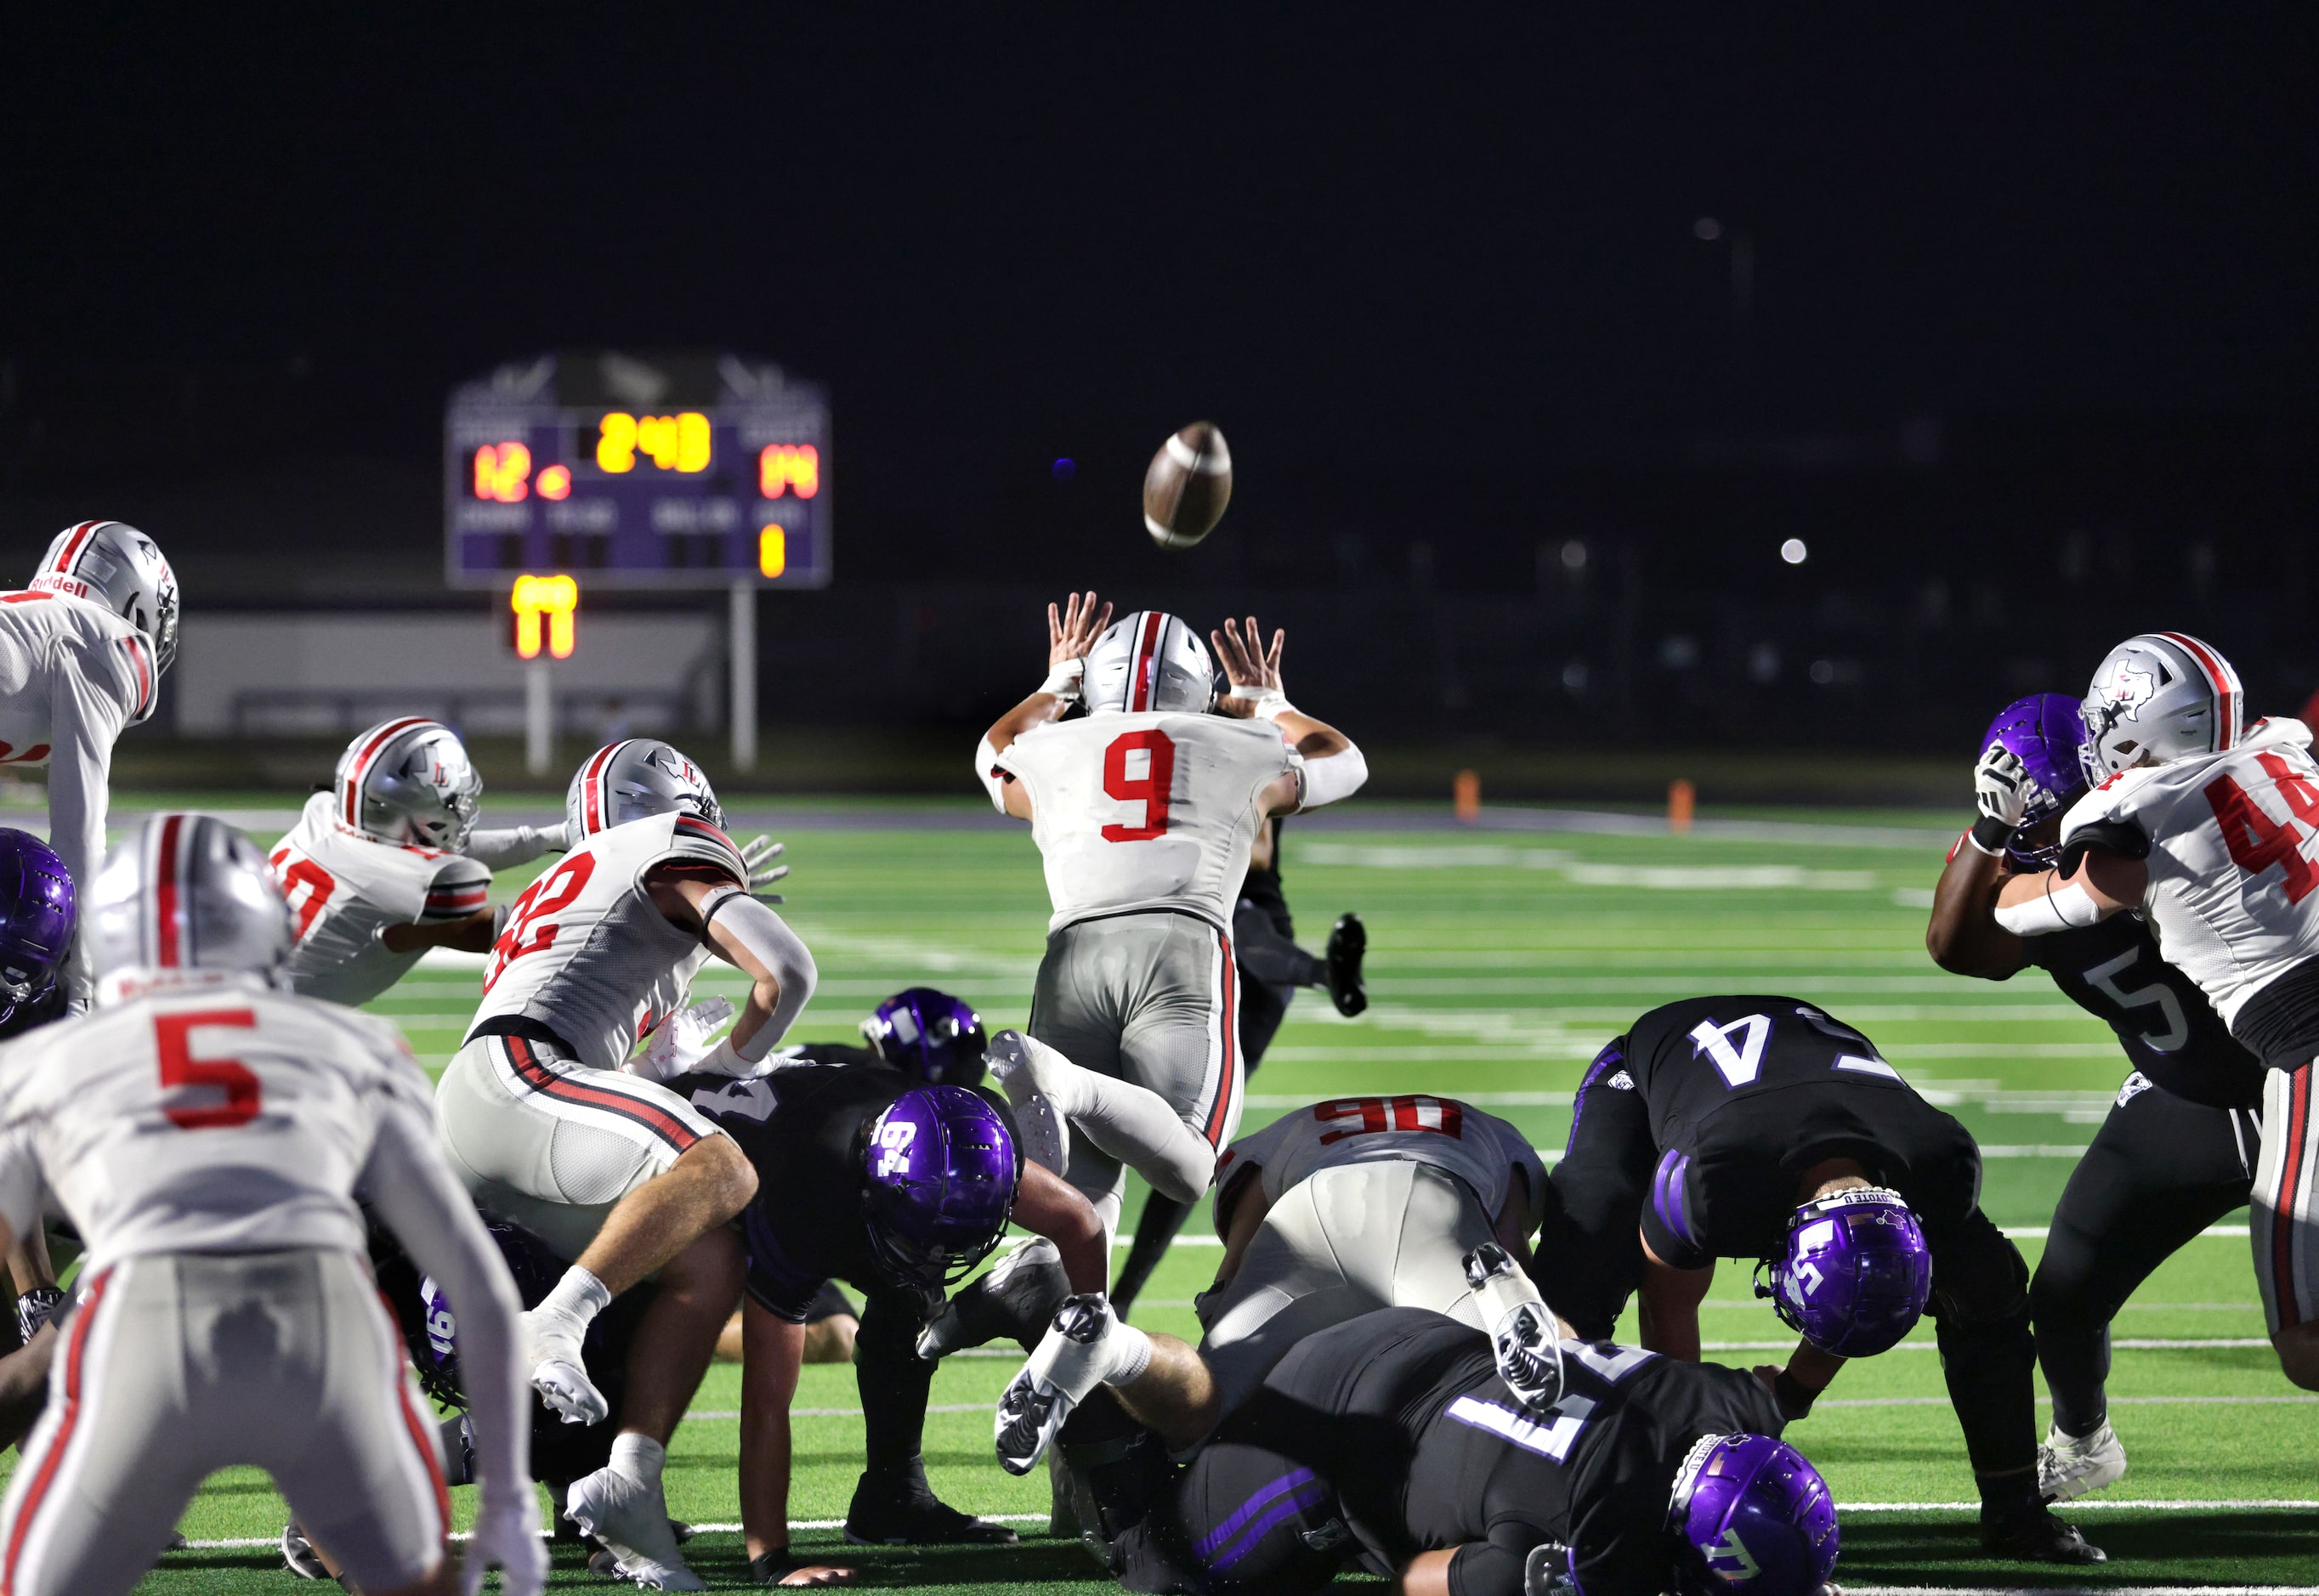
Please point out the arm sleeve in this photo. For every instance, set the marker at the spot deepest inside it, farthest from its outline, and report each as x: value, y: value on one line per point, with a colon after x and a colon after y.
x: 755, y: 926
x: 461, y: 887
x: 1334, y: 776
x: 84, y: 716
x: 505, y: 847
x: 413, y: 1189
x: 991, y: 774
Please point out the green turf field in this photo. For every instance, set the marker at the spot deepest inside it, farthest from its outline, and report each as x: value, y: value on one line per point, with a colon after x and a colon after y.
x: 1499, y: 962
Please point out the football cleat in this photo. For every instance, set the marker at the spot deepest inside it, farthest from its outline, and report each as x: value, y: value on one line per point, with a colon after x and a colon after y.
x: 907, y: 1513
x: 2071, y: 1466
x: 1033, y: 1406
x: 299, y: 1553
x: 2038, y: 1536
x: 630, y: 1517
x: 1016, y: 1298
x: 1348, y: 941
x: 559, y: 1373
x: 1014, y: 1067
x: 1524, y: 1338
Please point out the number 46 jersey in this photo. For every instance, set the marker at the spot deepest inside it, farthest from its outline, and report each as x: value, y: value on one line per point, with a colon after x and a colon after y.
x: 1147, y: 811
x: 1479, y: 1148
x: 587, y: 954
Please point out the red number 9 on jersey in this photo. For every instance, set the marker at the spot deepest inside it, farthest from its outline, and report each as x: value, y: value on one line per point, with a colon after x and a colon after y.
x: 1151, y: 789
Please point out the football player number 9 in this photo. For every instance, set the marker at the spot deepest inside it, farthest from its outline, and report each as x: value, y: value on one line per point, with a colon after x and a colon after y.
x: 1151, y: 789
x: 528, y: 931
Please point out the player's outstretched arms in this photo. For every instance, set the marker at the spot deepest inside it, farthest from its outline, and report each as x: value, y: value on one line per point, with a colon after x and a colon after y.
x: 502, y: 848
x: 2103, y: 884
x: 411, y: 1187
x: 1334, y: 767
x: 1071, y: 631
x: 1047, y: 1206
x: 474, y: 934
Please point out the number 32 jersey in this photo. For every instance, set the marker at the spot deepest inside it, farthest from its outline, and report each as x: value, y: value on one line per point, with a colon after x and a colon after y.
x: 1479, y: 1148
x: 346, y: 887
x: 2228, y: 840
x: 225, y: 1117
x: 1147, y: 811
x: 588, y: 955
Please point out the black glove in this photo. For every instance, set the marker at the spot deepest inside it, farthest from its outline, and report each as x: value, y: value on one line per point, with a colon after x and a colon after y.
x: 1795, y: 1398
x: 33, y: 1309
x: 770, y: 1568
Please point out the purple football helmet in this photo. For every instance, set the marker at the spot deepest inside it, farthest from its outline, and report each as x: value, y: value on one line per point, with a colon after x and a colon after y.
x: 535, y: 1271
x: 1755, y: 1516
x: 2044, y: 730
x: 1856, y: 1273
x: 36, y: 918
x: 938, y: 1168
x: 934, y: 1036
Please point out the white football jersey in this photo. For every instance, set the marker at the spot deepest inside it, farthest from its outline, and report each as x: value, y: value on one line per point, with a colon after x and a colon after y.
x: 346, y: 887
x: 587, y: 954
x: 1479, y: 1148
x: 222, y: 1117
x: 2233, y: 861
x: 1147, y: 811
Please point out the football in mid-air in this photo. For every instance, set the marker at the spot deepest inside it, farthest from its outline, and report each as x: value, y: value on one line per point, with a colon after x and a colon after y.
x: 1187, y: 486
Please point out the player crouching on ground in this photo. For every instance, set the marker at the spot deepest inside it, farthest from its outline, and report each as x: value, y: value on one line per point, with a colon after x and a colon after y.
x: 551, y: 1122
x: 207, y: 1134
x: 1763, y: 1128
x: 388, y: 864
x: 2202, y: 824
x: 2177, y: 1150
x: 867, y: 1175
x: 37, y: 922
x: 1397, y: 1441
x: 1144, y: 811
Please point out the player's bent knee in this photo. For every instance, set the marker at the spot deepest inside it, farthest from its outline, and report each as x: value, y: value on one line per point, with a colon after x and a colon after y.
x: 2298, y: 1355
x: 718, y: 1162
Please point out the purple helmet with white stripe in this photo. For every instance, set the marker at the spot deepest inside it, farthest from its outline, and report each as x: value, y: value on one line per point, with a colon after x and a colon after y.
x: 36, y: 918
x: 938, y: 1175
x: 1755, y: 1517
x: 934, y: 1036
x: 2046, y: 733
x: 1856, y: 1273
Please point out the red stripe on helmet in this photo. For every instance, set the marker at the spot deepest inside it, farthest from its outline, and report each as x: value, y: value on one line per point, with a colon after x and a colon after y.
x: 1147, y: 662
x: 80, y: 535
x: 144, y: 673
x: 2221, y: 678
x: 370, y: 751
x: 169, y: 950
x: 591, y: 799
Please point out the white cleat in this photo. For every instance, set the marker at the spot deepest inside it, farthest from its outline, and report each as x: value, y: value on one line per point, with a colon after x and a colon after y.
x: 1015, y: 1062
x: 2071, y: 1466
x: 559, y: 1373
x: 630, y: 1517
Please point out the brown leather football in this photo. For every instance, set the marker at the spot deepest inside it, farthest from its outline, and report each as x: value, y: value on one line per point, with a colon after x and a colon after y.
x: 1187, y: 486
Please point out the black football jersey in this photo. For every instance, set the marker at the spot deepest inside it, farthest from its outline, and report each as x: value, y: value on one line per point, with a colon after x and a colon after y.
x: 1745, y: 1094
x: 1437, y: 1453
x: 50, y: 1005
x: 802, y: 1128
x: 2115, y: 971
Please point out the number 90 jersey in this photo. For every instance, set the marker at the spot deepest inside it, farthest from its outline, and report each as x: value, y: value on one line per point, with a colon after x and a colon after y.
x: 1479, y: 1148
x: 1147, y: 811
x: 224, y: 1117
x: 346, y: 887
x: 588, y: 955
x: 2228, y: 841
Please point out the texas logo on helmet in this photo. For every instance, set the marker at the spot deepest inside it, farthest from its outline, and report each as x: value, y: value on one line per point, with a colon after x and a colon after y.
x: 2126, y: 691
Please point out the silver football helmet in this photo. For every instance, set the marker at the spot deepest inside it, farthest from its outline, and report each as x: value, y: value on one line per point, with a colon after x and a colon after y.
x: 409, y: 780
x: 625, y: 781
x: 2157, y: 698
x: 121, y: 568
x: 186, y: 894
x: 1149, y: 659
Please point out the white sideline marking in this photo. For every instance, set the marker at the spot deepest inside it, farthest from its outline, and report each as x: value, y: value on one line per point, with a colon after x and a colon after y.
x: 1853, y: 1589
x: 2104, y: 1504
x: 2138, y: 1402
x: 2019, y: 1233
x: 2134, y: 1344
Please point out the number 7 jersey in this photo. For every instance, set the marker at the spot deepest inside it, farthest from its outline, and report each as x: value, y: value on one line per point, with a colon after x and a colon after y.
x: 588, y: 955
x: 1147, y: 811
x: 2228, y: 839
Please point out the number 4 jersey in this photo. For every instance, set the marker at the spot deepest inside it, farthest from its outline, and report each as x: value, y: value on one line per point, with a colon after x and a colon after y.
x: 1147, y: 811
x: 345, y: 887
x: 588, y: 956
x: 2228, y: 842
x: 1479, y: 1148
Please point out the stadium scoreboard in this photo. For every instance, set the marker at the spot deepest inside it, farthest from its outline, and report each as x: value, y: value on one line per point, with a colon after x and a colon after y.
x: 698, y: 470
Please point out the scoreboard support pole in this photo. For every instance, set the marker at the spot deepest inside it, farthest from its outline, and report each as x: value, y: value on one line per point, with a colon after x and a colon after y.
x: 538, y: 717
x: 741, y: 636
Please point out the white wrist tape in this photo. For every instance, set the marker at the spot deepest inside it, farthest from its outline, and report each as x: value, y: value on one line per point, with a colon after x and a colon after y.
x: 1264, y: 703
x: 2058, y: 908
x: 1064, y: 681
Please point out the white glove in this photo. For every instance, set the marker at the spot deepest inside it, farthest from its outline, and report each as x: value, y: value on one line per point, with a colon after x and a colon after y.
x: 1264, y: 703
x: 758, y: 850
x: 506, y: 1536
x: 2001, y: 786
x: 1064, y: 681
x: 722, y: 1060
x: 680, y: 1043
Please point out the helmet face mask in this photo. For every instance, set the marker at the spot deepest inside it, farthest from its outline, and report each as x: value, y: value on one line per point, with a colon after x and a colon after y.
x: 1148, y: 660
x: 934, y: 1036
x: 409, y: 781
x: 633, y: 781
x: 115, y: 565
x: 939, y: 1170
x: 185, y: 899
x: 2157, y: 698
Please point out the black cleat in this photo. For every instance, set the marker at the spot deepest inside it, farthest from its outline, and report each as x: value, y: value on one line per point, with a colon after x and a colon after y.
x: 881, y: 1515
x: 1349, y: 940
x: 1017, y: 1299
x: 2038, y: 1536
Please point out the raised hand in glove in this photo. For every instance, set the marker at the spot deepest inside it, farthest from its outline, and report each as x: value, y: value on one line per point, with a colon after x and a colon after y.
x: 2001, y: 790
x: 681, y: 1042
x: 756, y: 854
